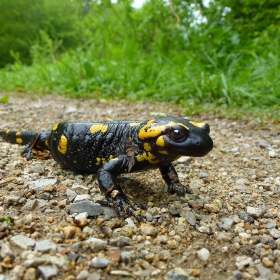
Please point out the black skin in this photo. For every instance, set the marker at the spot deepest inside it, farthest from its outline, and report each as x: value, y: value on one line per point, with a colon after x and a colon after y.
x: 111, y: 148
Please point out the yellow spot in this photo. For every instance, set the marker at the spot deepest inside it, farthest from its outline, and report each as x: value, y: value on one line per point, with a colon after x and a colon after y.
x: 177, y: 157
x: 62, y: 146
x: 147, y: 156
x: 152, y: 130
x: 198, y: 124
x: 140, y: 158
x: 111, y: 157
x: 164, y: 152
x: 19, y: 140
x: 18, y: 134
x: 75, y: 161
x: 55, y: 127
x: 160, y: 142
x: 147, y: 147
x: 103, y: 161
x: 134, y: 123
x: 97, y: 161
x: 47, y: 143
x: 98, y: 127
x: 7, y: 132
x: 184, y: 126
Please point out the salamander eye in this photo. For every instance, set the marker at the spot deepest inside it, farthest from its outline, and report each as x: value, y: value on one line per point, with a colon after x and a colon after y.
x: 176, y: 134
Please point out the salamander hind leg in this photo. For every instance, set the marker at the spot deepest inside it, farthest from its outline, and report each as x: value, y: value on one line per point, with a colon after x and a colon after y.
x: 107, y: 179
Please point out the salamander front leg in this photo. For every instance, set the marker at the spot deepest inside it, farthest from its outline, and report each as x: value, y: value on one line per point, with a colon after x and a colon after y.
x: 107, y: 179
x: 28, y: 149
x: 170, y: 176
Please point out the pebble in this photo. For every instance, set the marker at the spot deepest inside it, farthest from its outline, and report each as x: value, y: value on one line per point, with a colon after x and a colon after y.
x: 255, y: 212
x: 245, y: 217
x: 82, y: 275
x: 99, y: 262
x: 264, y: 272
x: 263, y: 144
x: 190, y: 218
x: 48, y: 271
x: 203, y: 254
x: 224, y: 236
x: 267, y: 262
x: 275, y: 233
x: 203, y: 175
x: 96, y: 244
x: 45, y: 246
x: 82, y: 197
x: 70, y: 194
x: 242, y: 261
x: 92, y: 208
x: 147, y: 229
x: 225, y: 223
x: 149, y: 217
x: 178, y: 273
x: 21, y: 242
x: 79, y: 189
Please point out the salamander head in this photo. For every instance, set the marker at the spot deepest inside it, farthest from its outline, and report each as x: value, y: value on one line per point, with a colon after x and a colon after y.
x: 178, y: 136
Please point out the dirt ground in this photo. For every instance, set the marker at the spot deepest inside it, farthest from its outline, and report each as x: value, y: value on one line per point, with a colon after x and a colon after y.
x: 229, y: 228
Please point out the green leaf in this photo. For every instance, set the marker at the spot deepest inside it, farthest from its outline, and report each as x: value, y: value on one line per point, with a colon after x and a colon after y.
x: 5, y: 98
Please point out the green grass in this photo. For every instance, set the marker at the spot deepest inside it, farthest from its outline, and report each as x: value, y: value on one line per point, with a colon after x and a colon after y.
x: 237, y: 84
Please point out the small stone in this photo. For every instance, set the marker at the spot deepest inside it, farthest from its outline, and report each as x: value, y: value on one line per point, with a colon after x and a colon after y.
x: 255, y: 212
x: 190, y: 218
x: 245, y: 217
x: 147, y: 229
x: 128, y: 230
x: 30, y: 274
x: 22, y: 242
x: 71, y: 231
x: 45, y: 246
x: 82, y: 275
x: 92, y: 208
x: 224, y: 236
x: 205, y: 229
x: 195, y: 185
x: 203, y: 254
x: 203, y: 175
x: 71, y: 194
x: 127, y: 257
x: 272, y: 154
x: 213, y: 208
x: 237, y: 274
x: 96, y: 244
x: 263, y: 144
x: 94, y: 276
x: 48, y: 271
x: 264, y: 272
x: 38, y: 184
x: 242, y: 261
x: 275, y: 233
x: 79, y: 189
x: 99, y: 262
x: 177, y: 273
x: 267, y: 262
x: 82, y: 197
x: 34, y: 262
x: 149, y: 217
x: 38, y: 168
x: 225, y: 223
x: 164, y: 255
x: 184, y: 159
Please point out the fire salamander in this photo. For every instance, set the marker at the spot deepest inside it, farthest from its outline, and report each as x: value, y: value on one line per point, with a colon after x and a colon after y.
x: 111, y: 148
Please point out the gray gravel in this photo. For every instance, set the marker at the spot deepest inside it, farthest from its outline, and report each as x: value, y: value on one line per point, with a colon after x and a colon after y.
x: 55, y: 223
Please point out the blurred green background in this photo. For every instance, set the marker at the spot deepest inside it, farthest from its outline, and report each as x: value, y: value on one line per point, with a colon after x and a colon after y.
x: 204, y: 55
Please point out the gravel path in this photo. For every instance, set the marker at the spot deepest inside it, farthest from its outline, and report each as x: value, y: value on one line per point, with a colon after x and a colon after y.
x: 228, y: 229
